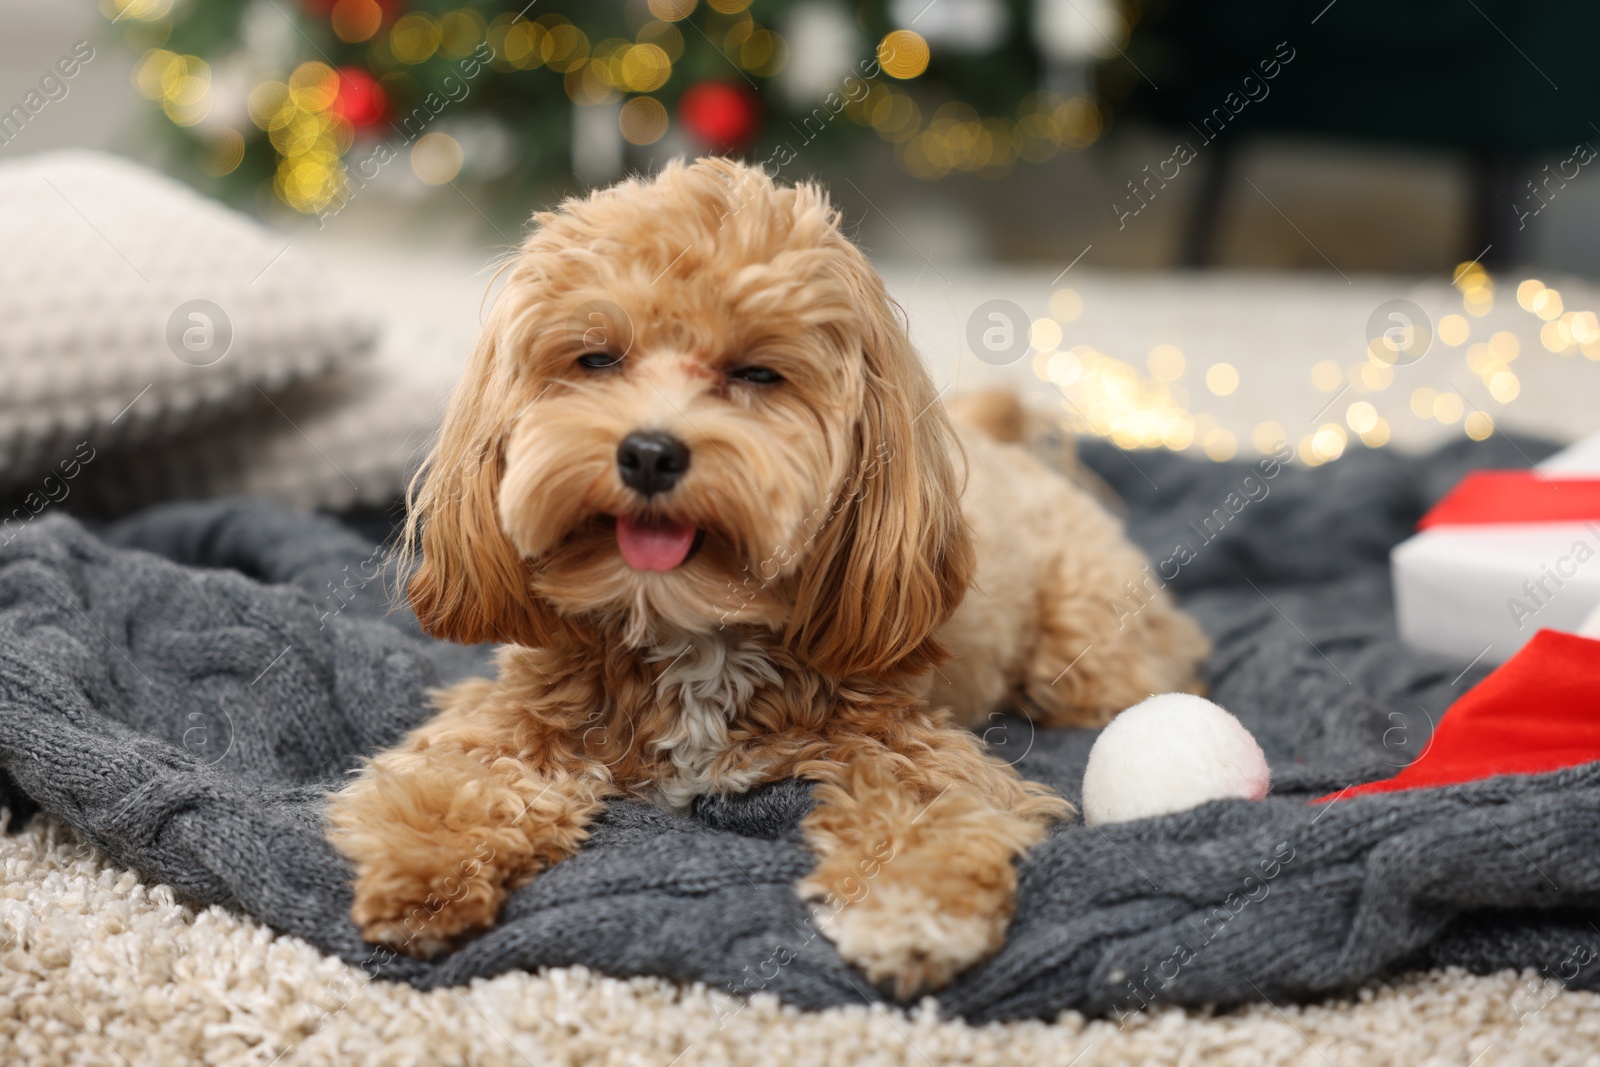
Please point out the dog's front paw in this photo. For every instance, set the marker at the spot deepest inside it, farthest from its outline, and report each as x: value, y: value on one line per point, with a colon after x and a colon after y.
x: 397, y: 936
x: 909, y: 942
x: 914, y: 891
x: 408, y: 913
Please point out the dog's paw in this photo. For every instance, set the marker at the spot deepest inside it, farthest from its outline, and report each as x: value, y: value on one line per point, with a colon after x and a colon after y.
x: 397, y: 936
x: 409, y: 917
x: 908, y: 942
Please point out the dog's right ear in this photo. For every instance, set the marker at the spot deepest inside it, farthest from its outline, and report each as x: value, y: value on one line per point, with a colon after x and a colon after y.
x: 471, y: 585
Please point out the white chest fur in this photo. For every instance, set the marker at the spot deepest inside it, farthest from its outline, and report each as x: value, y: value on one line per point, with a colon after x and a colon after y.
x: 709, y: 677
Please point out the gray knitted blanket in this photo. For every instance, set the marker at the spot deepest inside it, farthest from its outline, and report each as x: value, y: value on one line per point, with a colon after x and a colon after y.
x: 184, y: 686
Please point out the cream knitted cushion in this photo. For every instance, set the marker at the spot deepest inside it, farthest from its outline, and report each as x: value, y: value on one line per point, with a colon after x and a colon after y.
x: 134, y: 309
x: 351, y: 437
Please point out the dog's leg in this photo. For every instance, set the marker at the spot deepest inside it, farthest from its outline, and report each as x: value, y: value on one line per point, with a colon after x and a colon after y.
x: 440, y: 831
x: 917, y: 833
x: 1068, y: 620
x: 1102, y: 651
x: 439, y: 837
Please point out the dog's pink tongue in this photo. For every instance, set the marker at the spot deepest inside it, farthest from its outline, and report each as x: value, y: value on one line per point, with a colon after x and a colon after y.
x: 658, y: 547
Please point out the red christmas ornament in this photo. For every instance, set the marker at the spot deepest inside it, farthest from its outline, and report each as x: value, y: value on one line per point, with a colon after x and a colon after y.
x: 360, y: 99
x: 721, y: 115
x: 324, y: 8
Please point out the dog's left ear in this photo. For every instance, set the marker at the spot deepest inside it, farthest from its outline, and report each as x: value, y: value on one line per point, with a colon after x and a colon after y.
x: 470, y: 584
x: 893, y: 563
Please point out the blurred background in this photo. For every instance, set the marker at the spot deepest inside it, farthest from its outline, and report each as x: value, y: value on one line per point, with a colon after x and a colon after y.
x: 1217, y: 228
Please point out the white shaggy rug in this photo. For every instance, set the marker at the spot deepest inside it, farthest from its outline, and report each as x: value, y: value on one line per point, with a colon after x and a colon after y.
x: 97, y: 967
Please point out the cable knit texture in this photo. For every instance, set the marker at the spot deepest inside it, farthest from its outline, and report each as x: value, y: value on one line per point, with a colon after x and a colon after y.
x: 183, y: 687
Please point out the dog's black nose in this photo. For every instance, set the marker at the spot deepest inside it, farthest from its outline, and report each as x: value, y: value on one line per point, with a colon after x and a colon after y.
x: 651, y: 461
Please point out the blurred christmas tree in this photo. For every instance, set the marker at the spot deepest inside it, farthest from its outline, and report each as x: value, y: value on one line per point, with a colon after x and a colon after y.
x: 307, y: 102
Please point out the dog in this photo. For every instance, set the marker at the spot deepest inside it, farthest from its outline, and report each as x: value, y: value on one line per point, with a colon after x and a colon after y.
x: 699, y: 487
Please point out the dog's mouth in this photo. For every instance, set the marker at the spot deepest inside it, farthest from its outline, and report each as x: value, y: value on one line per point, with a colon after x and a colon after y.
x: 657, y: 544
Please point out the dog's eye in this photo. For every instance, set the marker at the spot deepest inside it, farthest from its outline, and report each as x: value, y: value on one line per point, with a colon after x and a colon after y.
x: 756, y: 375
x: 598, y: 360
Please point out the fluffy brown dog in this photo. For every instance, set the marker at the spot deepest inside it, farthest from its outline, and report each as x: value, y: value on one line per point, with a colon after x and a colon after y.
x: 699, y: 485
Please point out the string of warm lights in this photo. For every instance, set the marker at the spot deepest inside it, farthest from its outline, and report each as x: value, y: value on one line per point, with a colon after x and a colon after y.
x: 958, y: 138
x: 1151, y: 407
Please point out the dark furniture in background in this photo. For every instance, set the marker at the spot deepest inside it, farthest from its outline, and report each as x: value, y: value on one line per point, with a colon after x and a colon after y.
x: 1512, y: 85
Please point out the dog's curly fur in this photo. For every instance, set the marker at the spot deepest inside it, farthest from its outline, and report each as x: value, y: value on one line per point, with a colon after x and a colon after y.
x: 818, y: 629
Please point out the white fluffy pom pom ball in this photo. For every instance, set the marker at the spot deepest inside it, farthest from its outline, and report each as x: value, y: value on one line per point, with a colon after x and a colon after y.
x: 1170, y: 753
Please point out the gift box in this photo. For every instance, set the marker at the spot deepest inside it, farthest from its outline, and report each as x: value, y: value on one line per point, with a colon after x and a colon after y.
x: 1502, y: 556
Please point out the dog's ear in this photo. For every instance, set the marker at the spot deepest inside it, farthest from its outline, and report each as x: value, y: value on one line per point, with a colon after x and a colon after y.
x: 471, y: 584
x: 895, y: 560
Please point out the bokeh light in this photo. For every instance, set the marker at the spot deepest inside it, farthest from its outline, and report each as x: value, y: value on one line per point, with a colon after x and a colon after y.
x: 227, y: 152
x: 1361, y: 416
x: 1477, y: 290
x: 436, y: 158
x: 1447, y: 407
x: 643, y: 120
x: 1220, y: 445
x: 1267, y: 436
x: 356, y: 20
x: 1065, y: 305
x: 642, y: 68
x: 903, y: 54
x: 1328, y: 443
x: 1166, y: 362
x: 671, y: 10
x: 1376, y: 376
x: 1222, y: 379
x: 181, y: 84
x: 1453, y: 330
x: 461, y: 32
x: 1504, y: 386
x: 1044, y: 334
x: 415, y: 37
